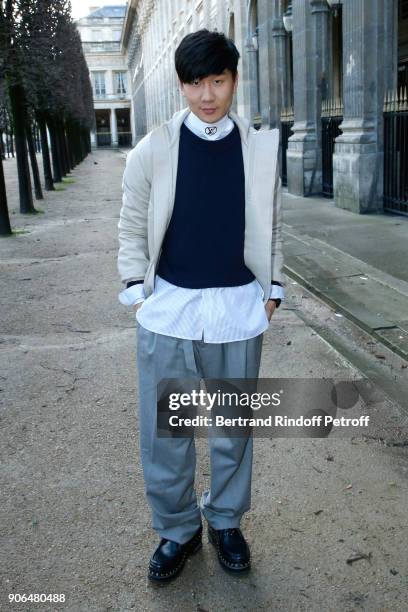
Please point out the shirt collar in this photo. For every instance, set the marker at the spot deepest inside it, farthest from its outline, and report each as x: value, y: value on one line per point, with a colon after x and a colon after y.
x: 209, y: 131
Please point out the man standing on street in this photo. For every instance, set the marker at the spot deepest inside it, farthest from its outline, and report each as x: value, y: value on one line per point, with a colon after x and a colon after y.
x: 201, y: 259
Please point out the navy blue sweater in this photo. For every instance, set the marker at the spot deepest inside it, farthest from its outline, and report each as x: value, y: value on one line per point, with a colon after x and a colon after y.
x: 204, y: 243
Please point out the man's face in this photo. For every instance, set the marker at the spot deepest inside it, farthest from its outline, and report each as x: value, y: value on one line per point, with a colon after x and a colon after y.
x: 210, y: 98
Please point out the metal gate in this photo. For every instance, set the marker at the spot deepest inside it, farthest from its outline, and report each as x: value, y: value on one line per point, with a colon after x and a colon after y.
x: 287, y: 120
x: 332, y: 116
x: 396, y: 152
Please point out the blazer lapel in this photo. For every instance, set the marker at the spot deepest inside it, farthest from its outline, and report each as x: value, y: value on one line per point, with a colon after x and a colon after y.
x: 165, y: 144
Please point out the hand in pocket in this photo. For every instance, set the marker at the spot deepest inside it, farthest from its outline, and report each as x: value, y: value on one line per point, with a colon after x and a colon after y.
x: 137, y: 306
x: 270, y: 307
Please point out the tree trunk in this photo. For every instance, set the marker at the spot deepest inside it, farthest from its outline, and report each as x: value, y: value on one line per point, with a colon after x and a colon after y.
x: 59, y: 146
x: 63, y: 150
x: 2, y: 151
x: 16, y: 95
x: 34, y: 165
x: 66, y: 146
x: 60, y: 149
x: 49, y: 185
x: 5, y: 227
x: 56, y: 164
x: 73, y: 158
x: 75, y: 131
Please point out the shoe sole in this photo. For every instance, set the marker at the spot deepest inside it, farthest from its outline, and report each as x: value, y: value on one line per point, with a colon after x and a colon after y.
x: 231, y: 568
x: 163, y: 578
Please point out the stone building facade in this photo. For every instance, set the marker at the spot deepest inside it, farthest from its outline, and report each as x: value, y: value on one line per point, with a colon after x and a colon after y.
x: 101, y: 32
x: 331, y: 74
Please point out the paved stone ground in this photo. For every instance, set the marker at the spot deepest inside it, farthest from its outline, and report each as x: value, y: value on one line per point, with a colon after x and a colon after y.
x: 353, y: 262
x: 74, y: 519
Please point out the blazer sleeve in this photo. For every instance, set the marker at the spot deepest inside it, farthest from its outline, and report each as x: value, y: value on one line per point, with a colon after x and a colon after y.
x: 276, y: 248
x: 133, y: 255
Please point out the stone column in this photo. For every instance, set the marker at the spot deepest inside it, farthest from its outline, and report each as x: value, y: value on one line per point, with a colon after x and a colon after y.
x: 264, y: 75
x: 358, y: 157
x: 132, y: 120
x: 252, y: 60
x: 272, y: 61
x: 206, y: 12
x: 252, y: 80
x: 243, y: 97
x: 222, y: 24
x: 310, y: 24
x: 278, y: 61
x: 113, y: 128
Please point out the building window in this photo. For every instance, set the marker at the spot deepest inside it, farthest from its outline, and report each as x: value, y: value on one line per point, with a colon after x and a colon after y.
x: 97, y: 35
x: 99, y: 83
x: 120, y: 82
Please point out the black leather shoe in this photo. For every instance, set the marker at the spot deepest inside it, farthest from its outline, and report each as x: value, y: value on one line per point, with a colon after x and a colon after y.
x: 233, y: 551
x: 169, y: 557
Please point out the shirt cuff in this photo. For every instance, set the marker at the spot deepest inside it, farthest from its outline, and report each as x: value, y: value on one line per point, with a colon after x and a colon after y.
x: 277, y: 291
x: 132, y: 295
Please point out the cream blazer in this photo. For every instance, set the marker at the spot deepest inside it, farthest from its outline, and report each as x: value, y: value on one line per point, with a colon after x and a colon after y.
x: 149, y: 184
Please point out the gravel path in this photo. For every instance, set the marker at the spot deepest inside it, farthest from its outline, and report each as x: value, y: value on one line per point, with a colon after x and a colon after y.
x: 74, y: 519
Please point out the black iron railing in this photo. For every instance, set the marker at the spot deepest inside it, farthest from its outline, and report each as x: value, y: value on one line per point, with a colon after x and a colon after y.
x: 287, y: 120
x: 124, y: 139
x: 331, y: 117
x: 103, y: 139
x: 395, y: 196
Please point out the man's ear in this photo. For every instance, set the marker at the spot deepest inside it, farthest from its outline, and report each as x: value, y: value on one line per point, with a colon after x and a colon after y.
x: 236, y: 83
x: 181, y: 86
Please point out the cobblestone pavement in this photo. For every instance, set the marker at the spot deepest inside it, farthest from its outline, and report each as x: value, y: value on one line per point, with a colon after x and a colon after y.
x: 74, y: 519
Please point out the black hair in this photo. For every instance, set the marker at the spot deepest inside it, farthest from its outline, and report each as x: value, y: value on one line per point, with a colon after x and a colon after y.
x: 202, y: 53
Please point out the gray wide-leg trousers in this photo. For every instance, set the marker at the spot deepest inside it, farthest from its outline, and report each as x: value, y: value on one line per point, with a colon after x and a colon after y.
x: 169, y: 463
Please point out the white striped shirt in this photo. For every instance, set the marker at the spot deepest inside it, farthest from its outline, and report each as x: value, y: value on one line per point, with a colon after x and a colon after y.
x: 215, y: 314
